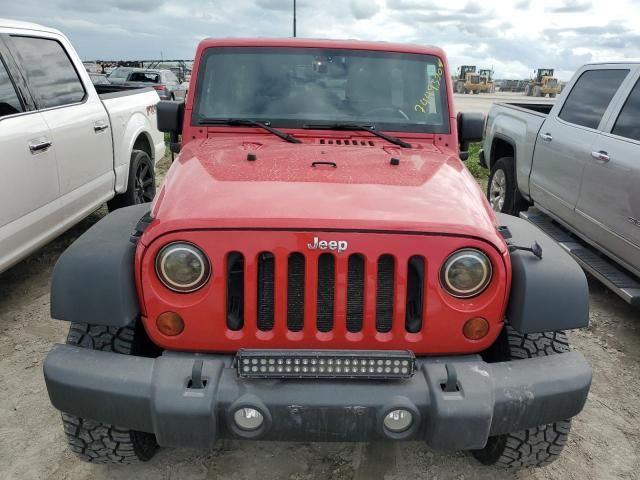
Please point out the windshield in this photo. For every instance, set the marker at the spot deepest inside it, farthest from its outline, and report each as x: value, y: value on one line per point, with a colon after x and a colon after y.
x: 99, y: 79
x: 120, y: 73
x: 291, y: 87
x: 144, y: 77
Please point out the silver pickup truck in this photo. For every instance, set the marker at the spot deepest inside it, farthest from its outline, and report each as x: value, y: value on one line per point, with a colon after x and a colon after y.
x: 573, y: 169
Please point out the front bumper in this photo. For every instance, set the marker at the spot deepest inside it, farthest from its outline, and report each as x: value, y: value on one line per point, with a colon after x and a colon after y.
x: 156, y: 396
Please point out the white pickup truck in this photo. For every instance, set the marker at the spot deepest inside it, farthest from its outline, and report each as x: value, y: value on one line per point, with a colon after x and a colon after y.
x: 65, y: 147
x: 573, y: 170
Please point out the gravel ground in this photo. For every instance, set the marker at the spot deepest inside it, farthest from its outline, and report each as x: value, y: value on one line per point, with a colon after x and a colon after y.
x: 604, y: 444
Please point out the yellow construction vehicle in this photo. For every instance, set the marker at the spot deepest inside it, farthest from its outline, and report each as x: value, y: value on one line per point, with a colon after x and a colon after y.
x: 468, y: 80
x: 542, y: 84
x: 486, y: 79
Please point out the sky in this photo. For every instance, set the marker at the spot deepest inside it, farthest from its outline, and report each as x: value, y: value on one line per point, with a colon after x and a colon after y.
x: 513, y: 37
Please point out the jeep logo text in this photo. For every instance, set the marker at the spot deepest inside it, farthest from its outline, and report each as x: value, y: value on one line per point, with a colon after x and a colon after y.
x: 317, y: 244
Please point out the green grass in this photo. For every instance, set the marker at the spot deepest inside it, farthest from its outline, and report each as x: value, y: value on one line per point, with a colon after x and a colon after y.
x: 473, y: 162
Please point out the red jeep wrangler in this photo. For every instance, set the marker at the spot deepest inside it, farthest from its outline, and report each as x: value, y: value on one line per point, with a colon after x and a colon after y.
x: 318, y: 266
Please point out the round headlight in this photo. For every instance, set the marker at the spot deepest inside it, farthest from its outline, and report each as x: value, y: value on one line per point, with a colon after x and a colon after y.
x: 182, y: 267
x: 466, y: 273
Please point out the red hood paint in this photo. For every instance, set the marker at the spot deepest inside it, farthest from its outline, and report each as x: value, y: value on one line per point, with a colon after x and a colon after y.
x: 213, y: 185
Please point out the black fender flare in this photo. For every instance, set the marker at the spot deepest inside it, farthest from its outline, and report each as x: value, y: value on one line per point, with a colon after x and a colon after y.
x: 549, y: 293
x: 93, y: 281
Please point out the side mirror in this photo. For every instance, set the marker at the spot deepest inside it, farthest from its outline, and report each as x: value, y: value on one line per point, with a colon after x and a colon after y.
x: 470, y: 129
x: 170, y: 116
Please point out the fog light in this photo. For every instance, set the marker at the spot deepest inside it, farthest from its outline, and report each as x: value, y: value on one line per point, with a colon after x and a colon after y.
x: 398, y: 421
x: 248, y: 418
x: 170, y: 324
x: 476, y: 328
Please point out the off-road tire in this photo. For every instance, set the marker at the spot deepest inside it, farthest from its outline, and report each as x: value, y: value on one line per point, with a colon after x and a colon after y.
x: 140, y: 164
x: 534, y: 447
x: 97, y: 442
x: 537, y: 91
x: 514, y: 202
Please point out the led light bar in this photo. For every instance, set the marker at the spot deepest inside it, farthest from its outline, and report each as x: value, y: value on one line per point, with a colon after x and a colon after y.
x: 352, y: 364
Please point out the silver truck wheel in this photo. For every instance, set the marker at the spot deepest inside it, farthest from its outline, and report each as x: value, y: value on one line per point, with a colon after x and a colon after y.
x: 502, y: 190
x: 497, y: 190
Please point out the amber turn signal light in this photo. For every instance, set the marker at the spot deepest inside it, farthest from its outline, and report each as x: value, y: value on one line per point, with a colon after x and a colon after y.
x: 476, y: 328
x: 170, y: 324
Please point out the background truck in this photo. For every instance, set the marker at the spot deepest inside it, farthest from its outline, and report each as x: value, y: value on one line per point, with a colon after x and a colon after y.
x: 66, y: 146
x: 572, y: 169
x: 542, y: 84
x: 318, y: 266
x: 468, y: 80
x: 486, y: 76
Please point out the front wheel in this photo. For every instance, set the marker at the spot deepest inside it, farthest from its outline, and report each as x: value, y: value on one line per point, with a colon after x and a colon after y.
x: 533, y: 447
x: 502, y: 190
x: 98, y: 442
x: 141, y: 184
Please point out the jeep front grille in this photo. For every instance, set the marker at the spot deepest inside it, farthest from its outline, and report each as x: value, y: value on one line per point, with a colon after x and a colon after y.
x: 280, y: 289
x: 340, y: 291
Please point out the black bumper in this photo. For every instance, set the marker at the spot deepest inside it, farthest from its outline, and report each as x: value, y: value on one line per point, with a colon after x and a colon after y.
x: 154, y: 395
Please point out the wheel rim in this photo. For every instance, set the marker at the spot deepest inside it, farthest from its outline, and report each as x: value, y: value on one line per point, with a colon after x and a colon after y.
x: 144, y: 190
x: 498, y: 190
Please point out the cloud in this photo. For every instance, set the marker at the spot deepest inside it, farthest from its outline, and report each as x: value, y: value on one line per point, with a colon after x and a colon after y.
x: 522, y: 4
x: 472, y: 8
x: 106, y: 5
x: 277, y: 5
x: 364, y: 9
x: 411, y: 5
x: 572, y: 6
x: 514, y: 38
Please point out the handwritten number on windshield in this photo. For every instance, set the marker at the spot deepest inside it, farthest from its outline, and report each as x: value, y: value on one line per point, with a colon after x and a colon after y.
x: 432, y: 88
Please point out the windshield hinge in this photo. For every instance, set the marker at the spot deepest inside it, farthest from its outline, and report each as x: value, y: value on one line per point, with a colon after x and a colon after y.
x: 535, y: 249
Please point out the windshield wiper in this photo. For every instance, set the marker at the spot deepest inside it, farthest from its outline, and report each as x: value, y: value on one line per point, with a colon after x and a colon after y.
x: 358, y: 127
x: 250, y: 123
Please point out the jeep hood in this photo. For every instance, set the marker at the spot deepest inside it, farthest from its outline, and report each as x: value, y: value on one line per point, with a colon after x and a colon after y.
x: 215, y: 184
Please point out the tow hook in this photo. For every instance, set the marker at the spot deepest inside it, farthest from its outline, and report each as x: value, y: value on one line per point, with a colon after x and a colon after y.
x: 196, y: 382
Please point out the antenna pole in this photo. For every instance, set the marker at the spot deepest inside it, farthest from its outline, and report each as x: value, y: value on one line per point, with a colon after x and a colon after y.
x: 294, y: 18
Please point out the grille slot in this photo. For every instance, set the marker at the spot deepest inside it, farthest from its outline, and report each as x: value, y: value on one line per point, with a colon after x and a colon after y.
x: 235, y: 291
x: 384, y: 293
x: 415, y: 294
x: 295, y: 292
x: 355, y: 292
x: 266, y: 287
x: 326, y: 287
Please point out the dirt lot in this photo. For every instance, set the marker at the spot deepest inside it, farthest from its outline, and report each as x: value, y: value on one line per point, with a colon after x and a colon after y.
x: 605, y: 441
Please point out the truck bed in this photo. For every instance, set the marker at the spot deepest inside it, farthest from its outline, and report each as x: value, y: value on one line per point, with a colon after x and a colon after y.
x: 117, y: 90
x: 542, y: 109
